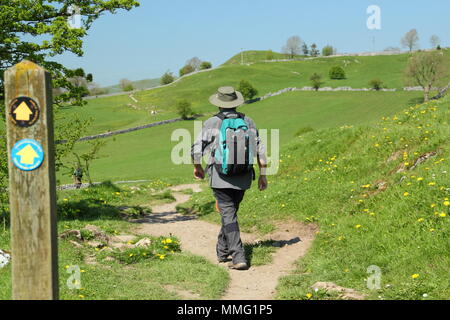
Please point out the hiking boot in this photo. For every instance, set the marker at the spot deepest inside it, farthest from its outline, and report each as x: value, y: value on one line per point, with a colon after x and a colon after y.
x: 223, y: 260
x: 238, y: 266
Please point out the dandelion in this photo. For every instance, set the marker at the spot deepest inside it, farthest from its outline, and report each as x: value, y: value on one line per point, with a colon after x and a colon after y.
x: 442, y: 215
x: 131, y: 254
x: 81, y: 296
x: 421, y: 220
x: 162, y: 257
x: 433, y: 205
x: 406, y: 194
x: 415, y: 276
x: 169, y: 241
x: 432, y: 184
x: 372, y: 214
x: 432, y: 230
x: 67, y: 267
x: 309, y: 295
x: 447, y: 203
x: 420, y: 179
x: 358, y: 226
x: 65, y: 200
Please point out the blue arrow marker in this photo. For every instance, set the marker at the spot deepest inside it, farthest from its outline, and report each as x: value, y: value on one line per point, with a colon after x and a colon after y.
x: 27, y: 155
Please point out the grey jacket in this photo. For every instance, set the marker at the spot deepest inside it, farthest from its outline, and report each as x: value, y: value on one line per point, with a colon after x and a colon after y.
x: 205, y: 144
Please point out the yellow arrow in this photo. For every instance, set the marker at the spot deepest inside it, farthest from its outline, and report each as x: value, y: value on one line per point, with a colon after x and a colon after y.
x: 27, y: 155
x: 23, y: 112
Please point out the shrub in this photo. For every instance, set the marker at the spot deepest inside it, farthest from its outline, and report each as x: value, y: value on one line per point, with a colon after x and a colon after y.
x: 376, y: 84
x: 337, y: 73
x: 270, y: 55
x: 328, y: 51
x: 167, y: 78
x: 186, y: 70
x: 205, y: 65
x: 184, y: 109
x: 303, y: 130
x: 316, y: 81
x: 247, y: 90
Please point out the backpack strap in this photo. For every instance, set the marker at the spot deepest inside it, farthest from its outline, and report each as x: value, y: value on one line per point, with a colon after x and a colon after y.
x: 222, y: 116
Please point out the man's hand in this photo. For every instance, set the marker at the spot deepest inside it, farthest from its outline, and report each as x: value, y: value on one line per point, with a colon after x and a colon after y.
x: 199, y: 173
x: 262, y: 183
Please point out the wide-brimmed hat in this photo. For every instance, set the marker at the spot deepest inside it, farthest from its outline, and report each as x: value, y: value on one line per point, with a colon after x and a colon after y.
x: 227, y: 98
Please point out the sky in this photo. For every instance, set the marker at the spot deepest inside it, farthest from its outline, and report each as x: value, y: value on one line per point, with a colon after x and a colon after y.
x: 161, y: 35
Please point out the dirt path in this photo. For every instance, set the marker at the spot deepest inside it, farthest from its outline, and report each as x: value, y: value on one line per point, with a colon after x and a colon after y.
x: 199, y: 237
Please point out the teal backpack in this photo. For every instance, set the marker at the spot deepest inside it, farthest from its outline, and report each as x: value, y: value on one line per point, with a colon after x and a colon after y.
x: 233, y: 154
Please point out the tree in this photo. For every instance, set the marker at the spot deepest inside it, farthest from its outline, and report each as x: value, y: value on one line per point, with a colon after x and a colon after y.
x: 270, y: 55
x: 427, y: 69
x: 126, y: 85
x: 89, y: 156
x: 38, y: 31
x: 316, y: 81
x: 328, y: 51
x: 314, y: 50
x: 186, y: 70
x: 292, y: 47
x: 96, y: 90
x: 167, y: 78
x: 376, y: 84
x: 205, y: 65
x: 247, y: 90
x: 194, y: 63
x: 184, y: 109
x: 305, y: 49
x: 337, y: 73
x: 435, y: 41
x: 410, y: 40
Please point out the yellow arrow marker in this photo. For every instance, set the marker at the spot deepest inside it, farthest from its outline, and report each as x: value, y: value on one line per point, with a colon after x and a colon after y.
x: 23, y: 112
x: 27, y: 155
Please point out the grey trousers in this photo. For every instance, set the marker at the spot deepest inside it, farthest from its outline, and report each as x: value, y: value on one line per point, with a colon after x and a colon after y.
x: 229, y: 242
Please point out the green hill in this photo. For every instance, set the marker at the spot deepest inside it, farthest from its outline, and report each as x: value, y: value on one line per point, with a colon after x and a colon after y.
x: 146, y: 154
x: 380, y: 196
x: 253, y: 56
x: 266, y: 77
x: 140, y: 84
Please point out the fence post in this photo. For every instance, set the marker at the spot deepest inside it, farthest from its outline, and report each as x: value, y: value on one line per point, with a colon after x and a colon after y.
x: 32, y: 186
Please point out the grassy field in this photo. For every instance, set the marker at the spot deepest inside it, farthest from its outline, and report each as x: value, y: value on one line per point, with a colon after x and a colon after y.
x: 140, y: 84
x: 113, y: 113
x: 146, y: 154
x: 372, y: 204
x: 130, y: 274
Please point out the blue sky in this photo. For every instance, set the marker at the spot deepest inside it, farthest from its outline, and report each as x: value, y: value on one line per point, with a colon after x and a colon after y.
x: 161, y: 35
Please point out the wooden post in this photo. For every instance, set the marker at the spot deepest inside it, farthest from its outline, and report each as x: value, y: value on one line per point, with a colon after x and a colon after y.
x: 32, y: 186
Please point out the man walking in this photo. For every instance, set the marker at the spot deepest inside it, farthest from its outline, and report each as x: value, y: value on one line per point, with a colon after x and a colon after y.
x: 232, y: 141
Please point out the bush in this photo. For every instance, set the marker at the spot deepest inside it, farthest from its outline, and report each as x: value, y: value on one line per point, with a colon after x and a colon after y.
x: 328, y: 51
x: 337, y: 73
x: 270, y: 55
x: 376, y: 84
x: 186, y: 70
x: 205, y: 65
x: 247, y: 90
x: 302, y: 131
x: 184, y: 109
x: 167, y: 78
x: 316, y: 81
